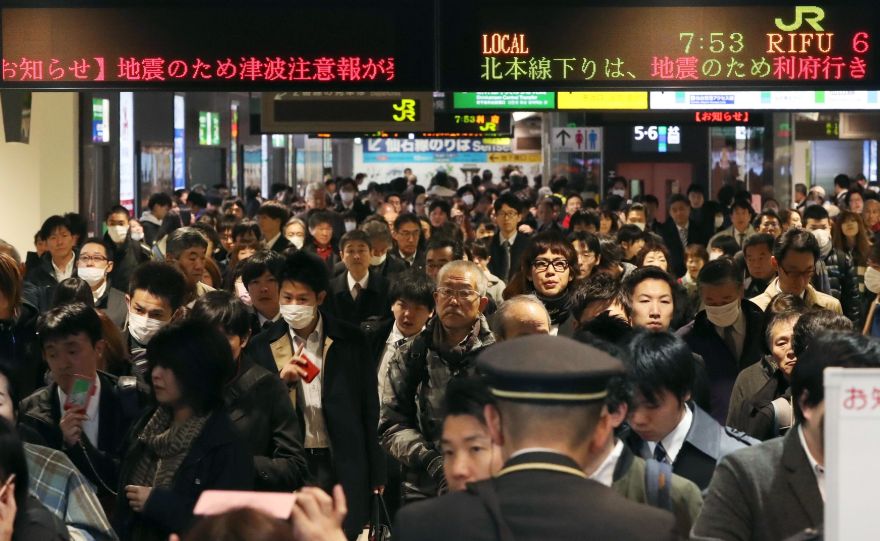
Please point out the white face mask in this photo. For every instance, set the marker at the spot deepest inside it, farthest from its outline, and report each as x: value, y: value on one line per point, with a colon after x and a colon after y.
x: 91, y: 275
x: 640, y: 225
x: 143, y: 328
x: 467, y: 199
x: 346, y: 197
x: 724, y: 316
x: 297, y: 241
x: 117, y: 233
x: 137, y: 236
x: 823, y: 237
x: 714, y: 255
x: 719, y: 221
x: 872, y: 280
x: 377, y: 260
x: 298, y: 316
x: 621, y: 193
x: 350, y: 226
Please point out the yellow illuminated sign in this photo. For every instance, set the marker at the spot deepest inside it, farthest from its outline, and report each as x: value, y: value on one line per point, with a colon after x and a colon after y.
x: 602, y: 100
x: 506, y: 157
x: 496, y: 140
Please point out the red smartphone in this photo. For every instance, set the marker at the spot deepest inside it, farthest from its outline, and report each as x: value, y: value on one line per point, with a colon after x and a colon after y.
x: 310, y: 365
x: 80, y: 393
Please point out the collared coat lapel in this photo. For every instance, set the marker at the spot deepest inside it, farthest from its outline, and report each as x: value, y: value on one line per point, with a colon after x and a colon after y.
x: 282, y: 353
x: 800, y: 477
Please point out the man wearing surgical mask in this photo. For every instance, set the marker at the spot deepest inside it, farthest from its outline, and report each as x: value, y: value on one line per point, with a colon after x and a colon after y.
x: 124, y: 243
x: 727, y: 333
x: 338, y: 407
x: 380, y: 244
x: 349, y: 202
x: 93, y: 266
x: 840, y: 279
x: 637, y: 216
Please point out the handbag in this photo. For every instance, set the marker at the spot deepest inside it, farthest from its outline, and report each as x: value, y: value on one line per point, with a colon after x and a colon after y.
x: 380, y: 521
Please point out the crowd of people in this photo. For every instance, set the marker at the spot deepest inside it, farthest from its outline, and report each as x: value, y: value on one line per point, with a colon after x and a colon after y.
x: 488, y: 360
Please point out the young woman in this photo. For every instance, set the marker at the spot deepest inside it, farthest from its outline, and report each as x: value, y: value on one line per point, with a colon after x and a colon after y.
x: 850, y: 234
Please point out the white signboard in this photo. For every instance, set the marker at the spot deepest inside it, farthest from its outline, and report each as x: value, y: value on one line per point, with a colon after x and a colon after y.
x: 852, y: 437
x: 126, y: 150
x: 578, y: 139
x: 793, y: 100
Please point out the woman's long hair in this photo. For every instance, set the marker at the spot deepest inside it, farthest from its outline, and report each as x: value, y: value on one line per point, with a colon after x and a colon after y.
x: 862, y: 247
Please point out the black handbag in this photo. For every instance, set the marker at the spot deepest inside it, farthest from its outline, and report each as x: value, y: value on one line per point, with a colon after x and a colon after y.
x: 380, y: 521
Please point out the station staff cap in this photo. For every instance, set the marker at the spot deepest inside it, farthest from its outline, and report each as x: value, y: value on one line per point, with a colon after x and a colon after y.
x: 547, y: 369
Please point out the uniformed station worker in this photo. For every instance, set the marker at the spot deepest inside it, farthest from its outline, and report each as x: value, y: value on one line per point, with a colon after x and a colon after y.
x: 548, y: 418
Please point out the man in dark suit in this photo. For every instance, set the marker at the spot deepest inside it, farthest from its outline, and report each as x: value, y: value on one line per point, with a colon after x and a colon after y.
x: 665, y: 424
x: 777, y: 489
x: 349, y: 202
x: 124, y: 251
x: 338, y: 408
x: 359, y: 294
x: 728, y: 333
x: 507, y: 244
x: 408, y: 239
x: 261, y: 276
x: 271, y: 218
x: 547, y: 418
x: 680, y: 230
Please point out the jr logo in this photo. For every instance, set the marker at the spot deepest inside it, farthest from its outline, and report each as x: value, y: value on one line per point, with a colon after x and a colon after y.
x: 406, y: 111
x: 812, y: 15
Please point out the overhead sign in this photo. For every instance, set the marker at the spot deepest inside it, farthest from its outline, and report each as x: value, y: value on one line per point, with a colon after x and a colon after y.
x: 354, y: 112
x: 100, y: 120
x: 430, y: 150
x: 221, y: 46
x: 209, y: 128
x: 504, y: 100
x: 481, y: 123
x: 660, y: 139
x: 610, y: 101
x: 179, y: 142
x: 126, y: 150
x: 585, y: 139
x: 796, y: 100
x: 512, y: 44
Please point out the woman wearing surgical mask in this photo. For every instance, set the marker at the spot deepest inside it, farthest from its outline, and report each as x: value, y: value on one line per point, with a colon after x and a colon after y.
x: 850, y: 235
x: 295, y: 231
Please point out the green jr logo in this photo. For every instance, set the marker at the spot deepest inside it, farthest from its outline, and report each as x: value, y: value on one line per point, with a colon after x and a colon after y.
x: 812, y: 15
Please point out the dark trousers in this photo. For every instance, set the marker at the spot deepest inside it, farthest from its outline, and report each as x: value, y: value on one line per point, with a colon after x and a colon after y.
x: 323, y: 475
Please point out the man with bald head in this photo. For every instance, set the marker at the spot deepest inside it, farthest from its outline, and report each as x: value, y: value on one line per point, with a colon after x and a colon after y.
x: 520, y: 316
x: 411, y: 418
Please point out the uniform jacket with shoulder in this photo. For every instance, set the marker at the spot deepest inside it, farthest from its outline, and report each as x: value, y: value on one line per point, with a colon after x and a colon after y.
x: 721, y: 366
x: 496, y: 252
x: 629, y: 482
x: 812, y: 298
x: 537, y: 505
x: 411, y: 420
x: 217, y: 460
x: 260, y: 410
x: 372, y: 301
x: 707, y: 442
x: 764, y: 493
x: 350, y: 404
x: 120, y: 406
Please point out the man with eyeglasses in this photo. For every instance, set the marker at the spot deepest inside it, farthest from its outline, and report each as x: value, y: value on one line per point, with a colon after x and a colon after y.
x: 508, y: 243
x: 794, y: 259
x: 407, y: 234
x: 93, y: 266
x: 411, y: 420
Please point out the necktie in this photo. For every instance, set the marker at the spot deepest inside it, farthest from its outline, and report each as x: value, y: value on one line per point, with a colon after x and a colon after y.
x: 660, y: 454
x: 739, y: 239
x: 730, y: 340
x: 356, y: 291
x: 505, y: 263
x: 266, y: 324
x: 683, y: 235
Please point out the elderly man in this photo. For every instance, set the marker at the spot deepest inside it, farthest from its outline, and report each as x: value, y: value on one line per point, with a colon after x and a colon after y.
x: 186, y: 249
x: 520, y: 316
x: 411, y: 421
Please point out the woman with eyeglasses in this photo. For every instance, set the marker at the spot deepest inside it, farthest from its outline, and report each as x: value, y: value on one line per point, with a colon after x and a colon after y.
x: 548, y: 268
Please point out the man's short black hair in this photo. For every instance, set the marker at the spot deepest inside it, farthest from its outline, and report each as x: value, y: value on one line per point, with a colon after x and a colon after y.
x: 159, y: 279
x: 696, y: 188
x: 117, y: 209
x: 407, y: 218
x: 641, y: 274
x: 600, y: 287
x: 585, y: 217
x: 831, y: 348
x: 79, y: 227
x: 200, y: 357
x: 321, y: 218
x: 769, y: 213
x: 69, y: 320
x: 225, y: 311
x: 510, y: 200
x: 52, y: 223
x: 259, y: 264
x: 801, y: 188
x: 815, y: 212
x: 796, y: 240
x: 275, y: 211
x: 197, y: 199
x: 467, y: 396
x: 412, y: 286
x: 761, y: 239
x: 720, y: 271
x: 660, y: 361
x: 589, y: 240
x: 108, y: 250
x: 306, y: 268
x: 609, y: 328
x: 441, y: 204
x: 71, y: 290
x: 812, y: 323
x: 438, y: 242
x: 843, y: 181
x: 354, y: 236
x: 679, y: 198
x: 742, y: 204
x: 244, y: 227
x: 630, y: 233
x: 726, y: 243
x: 160, y: 199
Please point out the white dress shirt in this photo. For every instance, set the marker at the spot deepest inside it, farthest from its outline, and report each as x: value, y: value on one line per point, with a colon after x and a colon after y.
x: 674, y: 441
x: 98, y: 293
x: 67, y: 271
x: 818, y: 470
x: 363, y: 282
x: 90, y: 425
x: 262, y: 319
x: 510, y: 240
x: 271, y: 242
x: 313, y: 410
x: 605, y: 472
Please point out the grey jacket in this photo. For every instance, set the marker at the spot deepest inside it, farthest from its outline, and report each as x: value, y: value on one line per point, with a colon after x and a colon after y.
x: 410, y: 417
x: 766, y: 492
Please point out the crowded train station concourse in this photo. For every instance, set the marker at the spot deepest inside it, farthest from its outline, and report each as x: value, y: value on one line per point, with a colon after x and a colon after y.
x: 338, y: 270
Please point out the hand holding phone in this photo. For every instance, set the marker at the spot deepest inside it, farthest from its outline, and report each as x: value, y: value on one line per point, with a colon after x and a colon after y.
x: 309, y: 363
x: 80, y: 393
